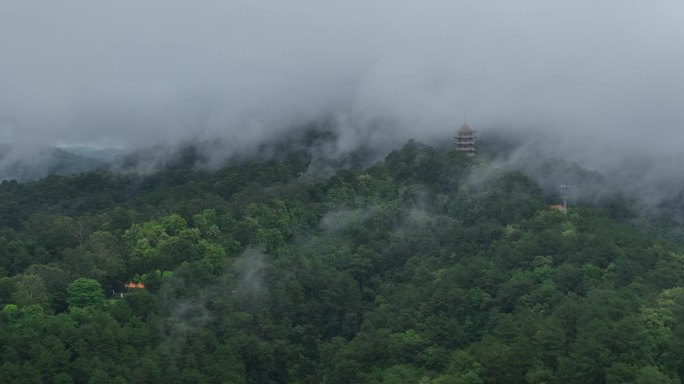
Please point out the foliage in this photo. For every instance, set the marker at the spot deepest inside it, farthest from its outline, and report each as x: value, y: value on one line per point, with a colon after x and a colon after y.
x: 84, y: 293
x: 427, y: 267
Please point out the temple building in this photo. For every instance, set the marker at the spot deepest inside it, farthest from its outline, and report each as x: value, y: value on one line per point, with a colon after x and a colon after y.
x: 465, y: 140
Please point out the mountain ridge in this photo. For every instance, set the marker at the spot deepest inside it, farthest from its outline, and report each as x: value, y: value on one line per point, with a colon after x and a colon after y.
x: 26, y: 162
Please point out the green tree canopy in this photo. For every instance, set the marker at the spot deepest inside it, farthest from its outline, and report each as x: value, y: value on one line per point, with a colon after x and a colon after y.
x: 84, y: 292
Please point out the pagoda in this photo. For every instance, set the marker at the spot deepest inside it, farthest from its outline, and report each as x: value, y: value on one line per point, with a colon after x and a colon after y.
x: 465, y: 140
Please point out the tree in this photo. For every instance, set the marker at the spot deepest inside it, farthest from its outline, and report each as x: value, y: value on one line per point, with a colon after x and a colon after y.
x: 29, y: 290
x: 84, y: 292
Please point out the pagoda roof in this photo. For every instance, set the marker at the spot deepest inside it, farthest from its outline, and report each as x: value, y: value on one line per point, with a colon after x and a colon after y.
x: 465, y: 128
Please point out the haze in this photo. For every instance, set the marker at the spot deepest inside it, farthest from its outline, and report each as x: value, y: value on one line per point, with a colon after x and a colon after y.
x: 588, y: 75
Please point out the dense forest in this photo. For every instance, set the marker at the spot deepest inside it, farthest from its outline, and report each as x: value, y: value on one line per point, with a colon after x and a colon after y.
x: 427, y: 267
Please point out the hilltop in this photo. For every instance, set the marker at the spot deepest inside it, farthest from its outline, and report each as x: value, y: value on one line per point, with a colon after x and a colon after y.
x: 427, y: 266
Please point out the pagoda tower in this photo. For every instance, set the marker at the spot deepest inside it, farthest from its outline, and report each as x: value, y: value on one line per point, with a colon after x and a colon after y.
x: 465, y: 140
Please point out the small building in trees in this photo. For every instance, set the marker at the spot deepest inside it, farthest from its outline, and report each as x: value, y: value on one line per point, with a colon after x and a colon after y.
x: 465, y: 140
x: 559, y: 207
x: 132, y: 285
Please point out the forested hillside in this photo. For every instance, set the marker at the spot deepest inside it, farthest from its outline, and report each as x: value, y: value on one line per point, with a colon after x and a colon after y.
x: 427, y: 267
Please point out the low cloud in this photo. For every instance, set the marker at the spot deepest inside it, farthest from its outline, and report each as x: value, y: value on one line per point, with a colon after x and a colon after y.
x: 170, y: 71
x: 598, y: 83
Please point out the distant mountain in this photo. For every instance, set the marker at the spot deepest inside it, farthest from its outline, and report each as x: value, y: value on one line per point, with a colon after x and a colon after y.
x: 96, y: 153
x: 25, y: 162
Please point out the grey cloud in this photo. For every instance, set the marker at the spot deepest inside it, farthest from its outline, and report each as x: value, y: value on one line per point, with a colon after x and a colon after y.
x: 586, y: 74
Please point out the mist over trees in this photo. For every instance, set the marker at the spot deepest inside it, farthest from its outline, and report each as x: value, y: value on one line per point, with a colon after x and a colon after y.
x: 428, y: 266
x: 267, y: 192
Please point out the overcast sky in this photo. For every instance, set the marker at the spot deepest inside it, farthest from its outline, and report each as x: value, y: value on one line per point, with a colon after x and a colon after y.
x: 133, y: 73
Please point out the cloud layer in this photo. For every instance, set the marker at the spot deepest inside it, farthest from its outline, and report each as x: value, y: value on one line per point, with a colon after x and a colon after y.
x: 587, y: 74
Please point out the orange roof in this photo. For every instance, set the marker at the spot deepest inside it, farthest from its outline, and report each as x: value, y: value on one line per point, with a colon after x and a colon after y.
x: 132, y: 285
